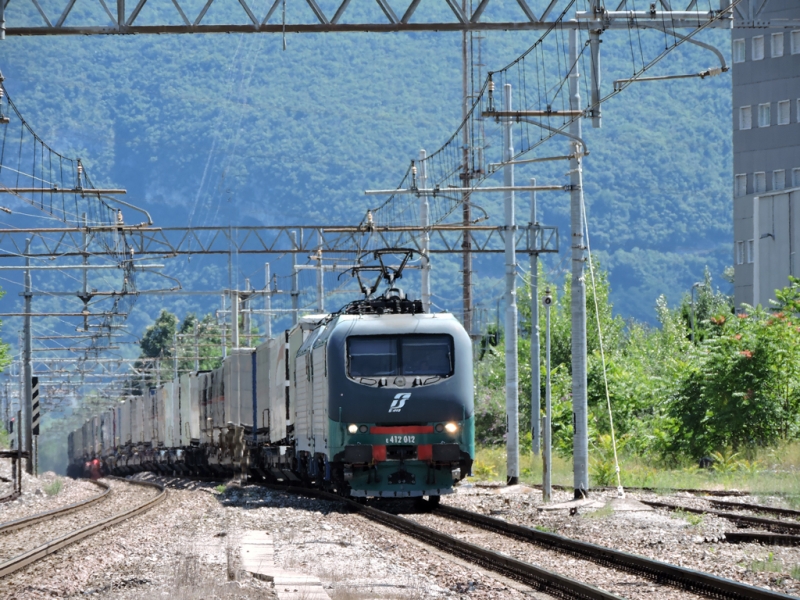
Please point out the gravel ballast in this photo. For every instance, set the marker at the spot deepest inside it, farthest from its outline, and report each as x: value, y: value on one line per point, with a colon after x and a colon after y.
x: 38, y: 493
x: 187, y: 547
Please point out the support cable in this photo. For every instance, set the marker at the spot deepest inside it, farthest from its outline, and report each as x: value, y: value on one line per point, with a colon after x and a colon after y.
x: 620, y: 490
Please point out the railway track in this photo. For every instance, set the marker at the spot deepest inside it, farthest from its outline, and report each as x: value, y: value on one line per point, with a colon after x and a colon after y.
x: 664, y: 573
x: 778, y: 532
x: 14, y: 532
x: 771, y: 525
x: 693, y: 491
x: 655, y: 572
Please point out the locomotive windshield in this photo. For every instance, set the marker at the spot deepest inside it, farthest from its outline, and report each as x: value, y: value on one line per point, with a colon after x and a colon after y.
x: 392, y: 355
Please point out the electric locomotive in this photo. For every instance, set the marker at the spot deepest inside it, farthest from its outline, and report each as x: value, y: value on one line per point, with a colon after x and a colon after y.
x: 399, y: 400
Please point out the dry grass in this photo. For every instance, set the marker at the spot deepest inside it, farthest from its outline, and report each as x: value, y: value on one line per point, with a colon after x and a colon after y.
x: 774, y: 471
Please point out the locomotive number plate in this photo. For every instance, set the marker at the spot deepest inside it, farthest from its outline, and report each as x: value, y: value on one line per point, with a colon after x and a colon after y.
x: 401, y: 439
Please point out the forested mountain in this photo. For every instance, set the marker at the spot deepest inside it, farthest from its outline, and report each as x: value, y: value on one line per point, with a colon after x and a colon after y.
x: 232, y: 129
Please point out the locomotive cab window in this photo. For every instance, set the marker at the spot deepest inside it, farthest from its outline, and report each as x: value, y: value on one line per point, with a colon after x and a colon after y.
x: 394, y: 355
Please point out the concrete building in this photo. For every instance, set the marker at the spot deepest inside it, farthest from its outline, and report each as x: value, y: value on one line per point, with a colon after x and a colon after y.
x: 766, y: 150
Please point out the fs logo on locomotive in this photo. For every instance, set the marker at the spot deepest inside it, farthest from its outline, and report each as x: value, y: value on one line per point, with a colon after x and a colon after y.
x: 399, y: 402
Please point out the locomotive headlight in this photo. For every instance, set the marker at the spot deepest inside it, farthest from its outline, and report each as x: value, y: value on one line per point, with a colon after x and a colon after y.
x: 363, y: 429
x: 439, y: 428
x: 451, y: 427
x: 352, y: 428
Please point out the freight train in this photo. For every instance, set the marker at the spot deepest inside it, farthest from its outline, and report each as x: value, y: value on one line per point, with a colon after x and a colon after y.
x: 375, y: 400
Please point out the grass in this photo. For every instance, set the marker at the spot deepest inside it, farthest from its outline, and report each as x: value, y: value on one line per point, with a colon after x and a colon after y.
x: 765, y: 472
x: 692, y: 518
x: 221, y: 488
x: 54, y: 488
x: 769, y: 565
x: 600, y: 513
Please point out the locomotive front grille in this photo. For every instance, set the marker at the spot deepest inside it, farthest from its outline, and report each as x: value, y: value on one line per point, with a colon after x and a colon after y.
x: 404, y: 452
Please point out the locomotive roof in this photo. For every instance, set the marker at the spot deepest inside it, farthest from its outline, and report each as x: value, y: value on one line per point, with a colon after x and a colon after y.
x: 395, y: 323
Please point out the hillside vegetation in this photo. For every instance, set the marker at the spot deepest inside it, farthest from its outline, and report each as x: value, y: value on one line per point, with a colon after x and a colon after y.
x: 218, y: 130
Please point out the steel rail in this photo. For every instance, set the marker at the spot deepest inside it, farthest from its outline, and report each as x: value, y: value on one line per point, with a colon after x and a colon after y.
x: 699, y: 492
x: 531, y: 575
x: 768, y: 539
x: 663, y: 573
x: 25, y: 559
x: 56, y: 512
x: 761, y: 508
x: 768, y: 524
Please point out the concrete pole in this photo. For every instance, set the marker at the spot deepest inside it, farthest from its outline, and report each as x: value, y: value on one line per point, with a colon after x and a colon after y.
x: 466, y: 177
x: 536, y: 376
x: 224, y: 327
x: 547, y: 463
x: 234, y: 319
x: 594, y: 47
x: 580, y: 456
x: 28, y: 381
x: 267, y: 304
x: 320, y: 279
x: 21, y: 376
x: 196, y: 349
x: 426, y: 236
x: 175, y: 357
x: 85, y: 288
x: 246, y: 315
x: 512, y: 368
x: 295, y: 280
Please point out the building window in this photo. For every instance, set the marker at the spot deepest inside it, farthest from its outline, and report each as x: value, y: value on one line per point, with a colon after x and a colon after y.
x: 759, y: 182
x: 746, y: 116
x: 784, y: 112
x: 738, y: 51
x: 777, y: 45
x: 763, y: 115
x: 796, y: 42
x: 778, y: 179
x: 758, y: 47
x: 739, y: 253
x: 795, y: 177
x: 751, y: 251
x: 740, y: 185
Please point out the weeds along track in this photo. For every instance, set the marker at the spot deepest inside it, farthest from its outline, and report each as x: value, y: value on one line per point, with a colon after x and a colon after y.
x: 27, y: 540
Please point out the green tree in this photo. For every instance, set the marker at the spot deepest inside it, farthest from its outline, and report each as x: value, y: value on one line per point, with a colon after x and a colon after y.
x: 709, y: 303
x: 743, y: 392
x: 208, y: 343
